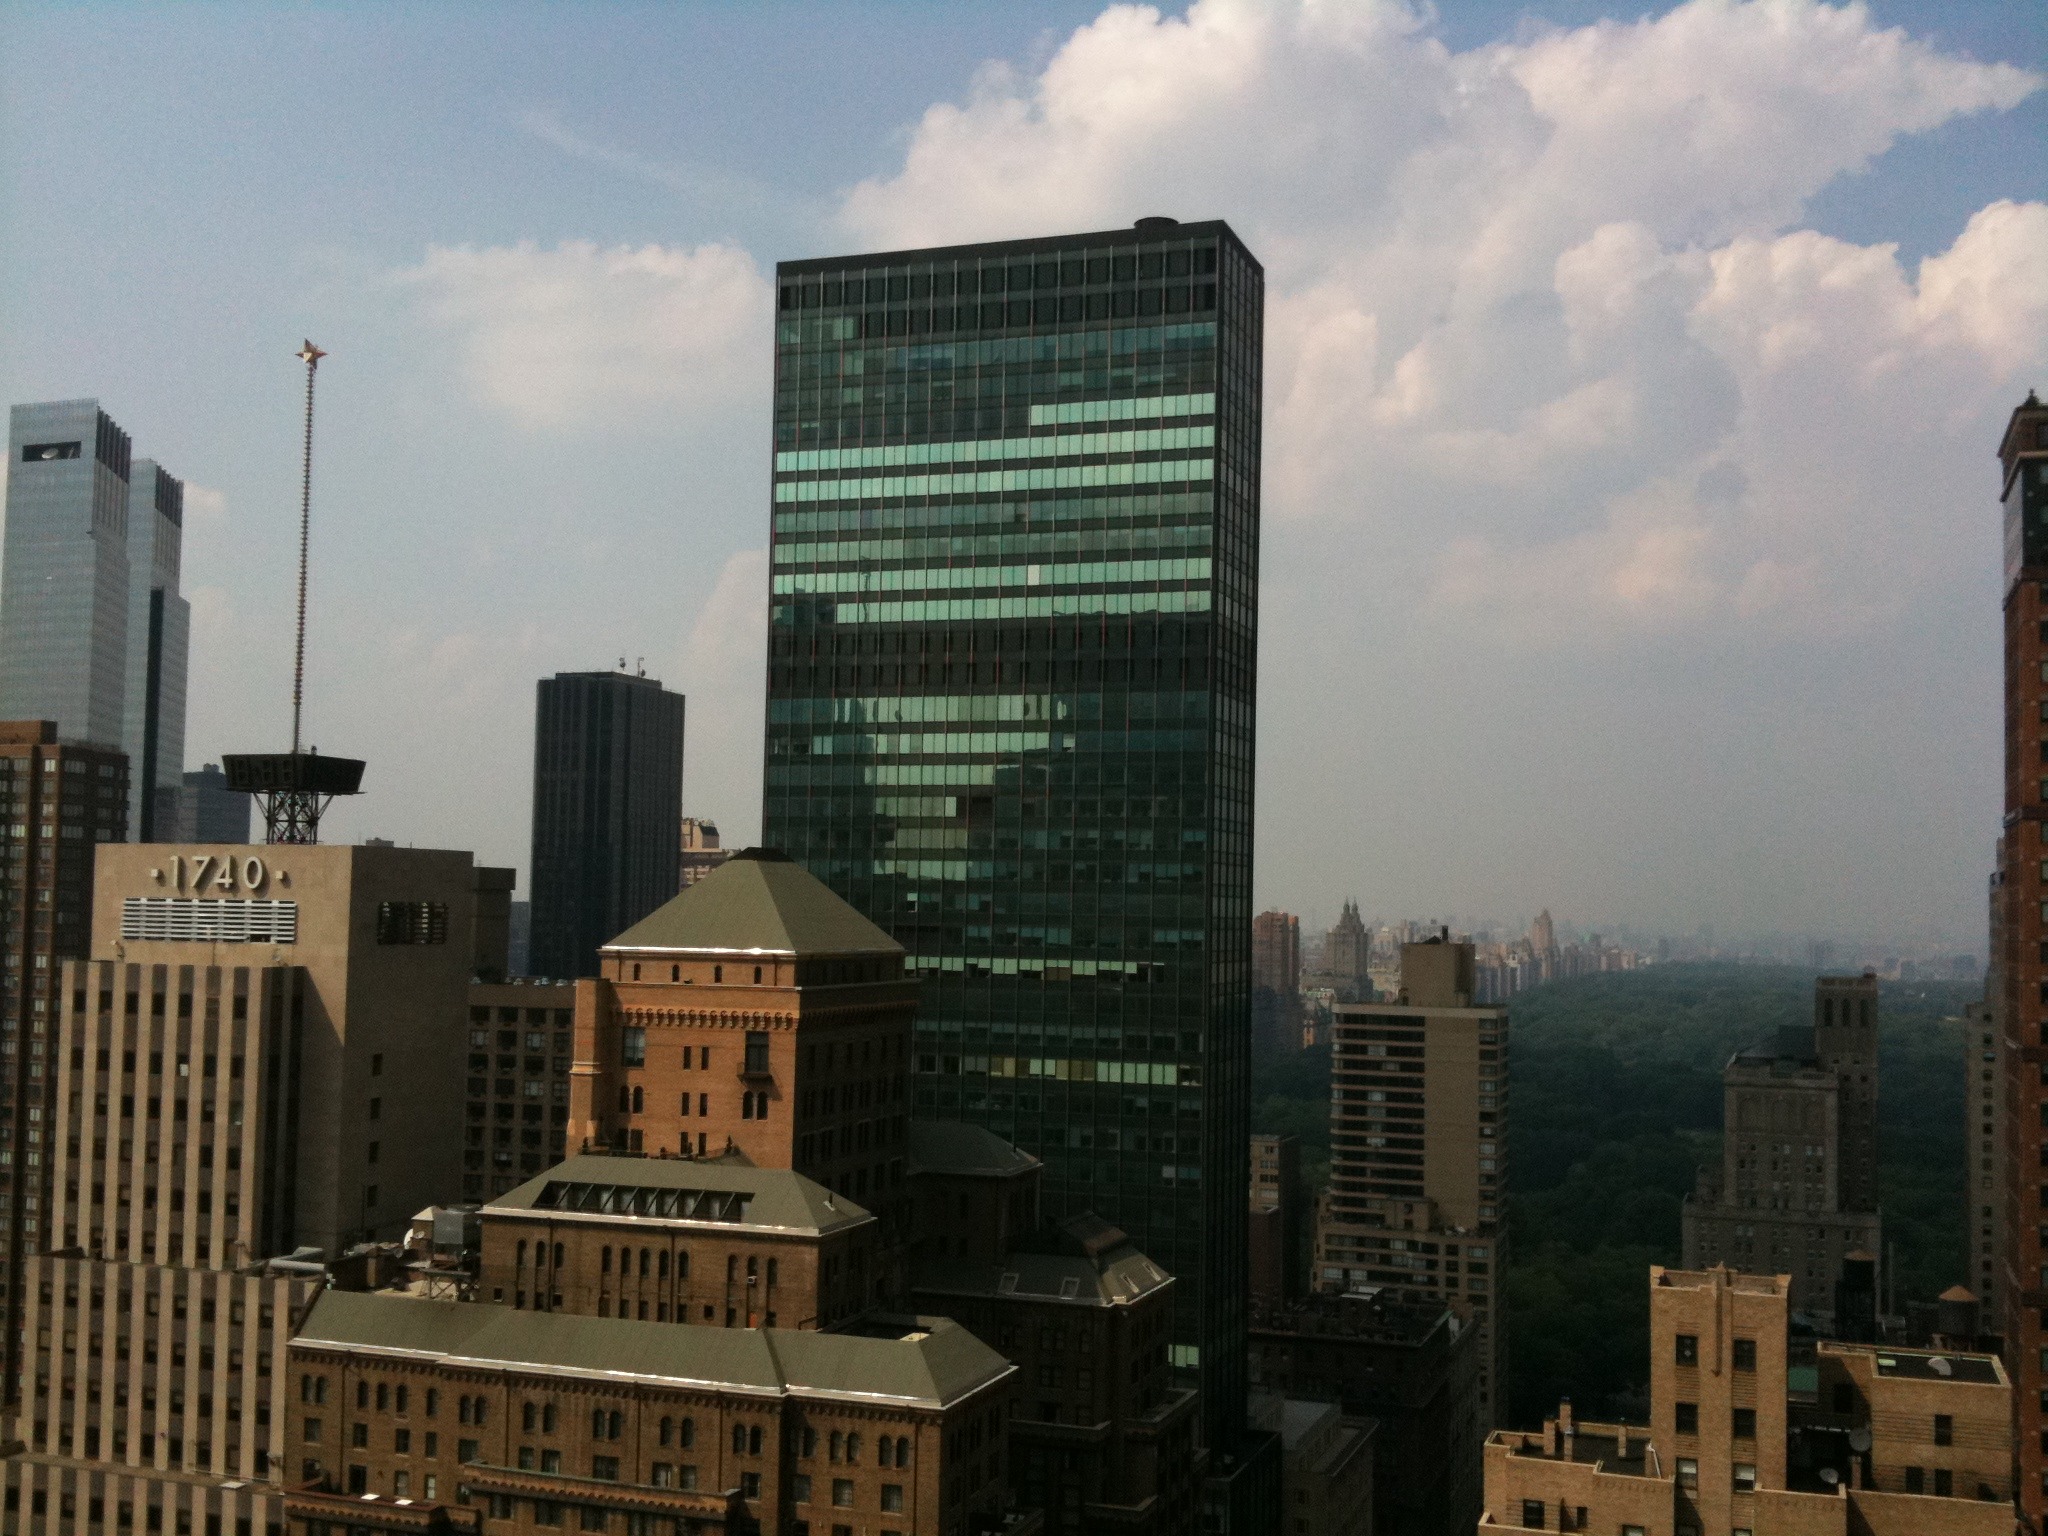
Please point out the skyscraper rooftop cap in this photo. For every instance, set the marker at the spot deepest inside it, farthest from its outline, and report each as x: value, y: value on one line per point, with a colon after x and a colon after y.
x: 759, y: 902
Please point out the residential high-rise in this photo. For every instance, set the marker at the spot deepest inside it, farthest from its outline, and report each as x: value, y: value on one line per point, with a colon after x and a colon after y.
x: 93, y: 631
x: 1347, y: 954
x: 1796, y: 1191
x: 517, y: 1104
x: 607, y: 812
x: 2022, y: 933
x: 1011, y: 700
x: 1418, y: 1149
x: 1984, y: 1123
x: 1877, y: 1441
x: 62, y: 801
x: 1276, y: 982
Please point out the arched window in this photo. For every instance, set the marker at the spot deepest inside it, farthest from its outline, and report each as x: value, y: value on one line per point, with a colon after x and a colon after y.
x: 732, y: 1266
x: 718, y: 973
x: 675, y: 973
x: 639, y: 1102
x: 547, y: 1419
x: 604, y: 1261
x: 529, y: 1417
x: 625, y: 1099
x: 383, y: 1397
x: 688, y: 1437
x: 746, y: 1106
x: 668, y: 1428
x: 682, y: 1266
x: 433, y: 1401
x: 903, y: 1450
x: 739, y: 1439
x: 771, y: 1272
x: 757, y: 975
x: 636, y: 970
x: 362, y: 1394
x: 645, y: 1256
x: 838, y: 1447
x: 618, y: 1425
x: 558, y: 1255
x: 661, y: 1266
x: 754, y: 1440
x: 462, y: 1409
x: 852, y: 1448
x: 522, y: 1253
x: 761, y: 1109
x: 481, y: 1405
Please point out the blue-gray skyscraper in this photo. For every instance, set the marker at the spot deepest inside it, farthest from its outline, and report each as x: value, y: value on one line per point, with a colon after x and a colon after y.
x: 1010, y: 700
x: 93, y: 631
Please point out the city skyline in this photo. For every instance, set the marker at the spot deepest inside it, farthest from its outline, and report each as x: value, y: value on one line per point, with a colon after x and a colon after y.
x: 1738, y: 666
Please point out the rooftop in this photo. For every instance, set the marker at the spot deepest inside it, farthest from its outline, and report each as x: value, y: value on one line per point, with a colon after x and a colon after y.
x: 1379, y: 1314
x: 955, y: 1147
x: 758, y: 902
x: 684, y: 1190
x: 1936, y: 1365
x: 931, y: 1362
x: 1084, y: 1261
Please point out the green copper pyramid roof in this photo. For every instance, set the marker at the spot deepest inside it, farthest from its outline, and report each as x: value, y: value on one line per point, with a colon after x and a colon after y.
x: 758, y: 902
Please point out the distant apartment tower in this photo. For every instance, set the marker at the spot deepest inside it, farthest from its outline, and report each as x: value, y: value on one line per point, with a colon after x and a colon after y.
x: 1279, y: 1234
x: 1418, y: 1149
x: 62, y: 802
x: 204, y: 810
x: 516, y: 1102
x: 699, y: 852
x: 2022, y: 934
x: 607, y: 813
x: 1011, y: 702
x: 1276, y: 952
x: 93, y: 632
x: 1347, y: 951
x: 1796, y: 1191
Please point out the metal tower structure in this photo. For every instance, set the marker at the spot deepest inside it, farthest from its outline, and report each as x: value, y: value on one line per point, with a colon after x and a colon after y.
x: 294, y: 788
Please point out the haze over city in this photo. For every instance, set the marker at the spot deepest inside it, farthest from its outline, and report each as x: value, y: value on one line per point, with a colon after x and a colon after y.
x: 1631, y: 545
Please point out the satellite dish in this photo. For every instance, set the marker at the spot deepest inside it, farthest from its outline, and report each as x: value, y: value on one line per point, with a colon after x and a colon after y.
x: 1859, y: 1439
x: 1830, y: 1476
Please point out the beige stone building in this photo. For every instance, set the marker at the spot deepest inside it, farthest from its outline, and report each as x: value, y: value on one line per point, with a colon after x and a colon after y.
x: 1796, y: 1189
x: 1418, y: 1148
x: 1889, y: 1442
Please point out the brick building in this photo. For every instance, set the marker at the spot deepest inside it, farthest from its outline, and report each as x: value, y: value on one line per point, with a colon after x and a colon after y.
x: 1326, y: 1465
x: 1890, y: 1442
x: 1407, y: 1361
x: 410, y: 1415
x: 516, y: 1101
x: 1278, y: 1228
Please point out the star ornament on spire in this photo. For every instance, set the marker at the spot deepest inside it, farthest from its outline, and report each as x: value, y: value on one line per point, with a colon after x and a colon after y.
x: 310, y: 355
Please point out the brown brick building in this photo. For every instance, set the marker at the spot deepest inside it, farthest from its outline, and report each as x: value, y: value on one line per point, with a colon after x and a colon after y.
x: 59, y: 802
x: 516, y: 1099
x: 2022, y: 936
x: 407, y: 1414
x: 1891, y: 1442
x: 755, y: 1011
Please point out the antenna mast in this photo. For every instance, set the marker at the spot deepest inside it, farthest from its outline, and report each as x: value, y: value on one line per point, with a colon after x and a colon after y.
x: 311, y: 356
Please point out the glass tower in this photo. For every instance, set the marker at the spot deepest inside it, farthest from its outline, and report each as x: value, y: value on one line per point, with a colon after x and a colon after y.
x: 1013, y: 632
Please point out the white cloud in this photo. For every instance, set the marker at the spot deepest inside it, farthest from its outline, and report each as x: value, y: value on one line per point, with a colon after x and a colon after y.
x: 567, y: 336
x: 724, y: 661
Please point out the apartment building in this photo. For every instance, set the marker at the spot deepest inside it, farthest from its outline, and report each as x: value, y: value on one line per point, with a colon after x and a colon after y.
x: 1418, y: 1147
x: 1326, y: 1465
x: 1277, y: 1227
x: 1888, y: 1442
x: 516, y: 1093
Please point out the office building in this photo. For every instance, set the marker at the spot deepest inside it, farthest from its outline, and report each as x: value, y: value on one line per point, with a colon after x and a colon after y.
x: 63, y: 802
x: 1796, y: 1190
x: 1326, y: 1460
x: 1885, y: 1442
x: 204, y: 810
x: 93, y: 630
x: 1011, y: 701
x: 253, y: 1072
x: 158, y: 645
x: 1403, y: 1360
x: 699, y: 852
x: 1418, y: 1148
x: 2022, y: 932
x: 516, y: 1094
x: 607, y: 812
x: 1278, y: 1220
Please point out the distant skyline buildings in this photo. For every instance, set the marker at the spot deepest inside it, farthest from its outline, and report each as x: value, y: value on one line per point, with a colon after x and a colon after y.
x: 94, y: 632
x: 607, y: 813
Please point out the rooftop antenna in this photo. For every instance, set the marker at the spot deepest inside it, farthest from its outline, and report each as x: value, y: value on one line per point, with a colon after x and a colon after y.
x: 295, y: 787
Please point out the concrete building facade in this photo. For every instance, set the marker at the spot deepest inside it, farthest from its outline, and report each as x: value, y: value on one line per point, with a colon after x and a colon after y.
x: 1418, y: 1148
x: 1796, y: 1191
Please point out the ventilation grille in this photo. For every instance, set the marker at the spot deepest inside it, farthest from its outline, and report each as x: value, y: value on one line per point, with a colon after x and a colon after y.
x: 184, y: 919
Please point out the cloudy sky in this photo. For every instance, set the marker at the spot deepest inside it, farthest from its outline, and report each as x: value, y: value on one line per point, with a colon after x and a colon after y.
x: 1631, y: 541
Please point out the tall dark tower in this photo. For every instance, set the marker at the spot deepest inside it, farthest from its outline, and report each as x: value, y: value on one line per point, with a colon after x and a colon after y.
x: 1013, y: 639
x: 607, y: 812
x: 2023, y: 933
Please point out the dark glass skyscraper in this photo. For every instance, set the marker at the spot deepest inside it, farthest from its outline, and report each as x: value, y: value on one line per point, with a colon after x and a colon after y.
x: 607, y: 812
x: 1012, y: 648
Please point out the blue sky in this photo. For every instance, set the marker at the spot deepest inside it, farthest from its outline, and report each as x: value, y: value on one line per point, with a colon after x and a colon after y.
x: 538, y: 453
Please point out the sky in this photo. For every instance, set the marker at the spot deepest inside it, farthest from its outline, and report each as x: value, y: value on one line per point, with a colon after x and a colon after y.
x: 1633, y: 379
